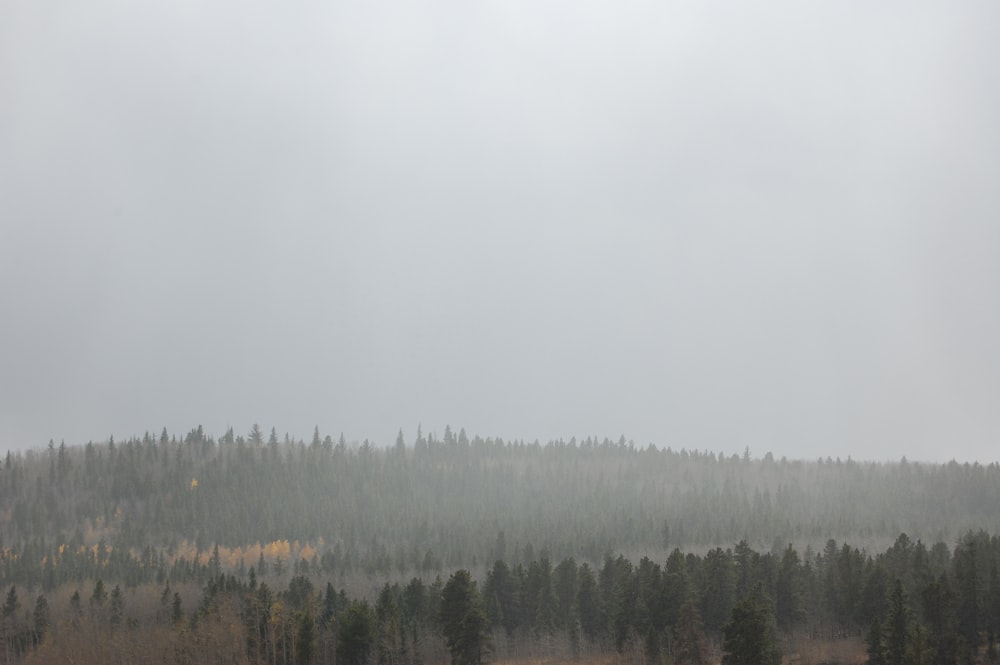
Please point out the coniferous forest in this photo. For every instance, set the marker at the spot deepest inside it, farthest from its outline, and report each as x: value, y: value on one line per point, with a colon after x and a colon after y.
x: 257, y: 548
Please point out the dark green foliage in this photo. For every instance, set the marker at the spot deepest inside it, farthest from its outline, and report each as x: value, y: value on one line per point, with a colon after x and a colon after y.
x: 463, y: 621
x: 844, y: 582
x: 618, y: 593
x: 625, y: 608
x: 75, y: 607
x: 588, y: 603
x: 12, y: 604
x: 564, y: 587
x: 501, y: 596
x: 875, y: 595
x: 750, y: 637
x: 938, y: 603
x: 648, y: 618
x: 718, y: 593
x: 300, y: 592
x: 538, y: 598
x: 176, y: 610
x: 257, y: 616
x: 305, y: 639
x: 677, y: 587
x: 789, y: 592
x: 117, y: 607
x: 140, y: 491
x: 875, y: 643
x: 99, y: 595
x: 390, y: 632
x: 356, y: 635
x: 905, y: 641
x: 970, y: 561
x: 553, y: 518
x: 41, y: 618
x: 331, y: 605
x: 898, y: 632
x: 691, y: 645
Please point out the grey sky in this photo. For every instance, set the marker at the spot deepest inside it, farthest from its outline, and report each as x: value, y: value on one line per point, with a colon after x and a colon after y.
x: 699, y: 224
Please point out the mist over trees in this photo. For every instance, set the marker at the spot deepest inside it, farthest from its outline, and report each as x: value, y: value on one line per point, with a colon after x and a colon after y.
x: 467, y: 550
x: 441, y: 503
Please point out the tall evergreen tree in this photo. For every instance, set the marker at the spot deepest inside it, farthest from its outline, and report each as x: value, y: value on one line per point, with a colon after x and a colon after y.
x: 176, y: 610
x: 387, y: 622
x: 41, y: 618
x: 117, y: 607
x: 968, y: 561
x: 356, y: 634
x: 897, y: 626
x: 789, y: 590
x: 718, y: 593
x: 677, y: 587
x: 750, y: 638
x: 11, y: 604
x: 305, y: 638
x: 463, y: 621
x: 588, y: 603
x: 691, y: 645
x: 938, y: 603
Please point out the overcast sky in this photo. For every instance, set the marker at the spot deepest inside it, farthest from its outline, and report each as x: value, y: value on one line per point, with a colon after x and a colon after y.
x: 705, y: 225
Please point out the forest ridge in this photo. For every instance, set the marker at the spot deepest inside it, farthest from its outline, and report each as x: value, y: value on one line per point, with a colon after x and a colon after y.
x: 257, y: 549
x: 443, y: 503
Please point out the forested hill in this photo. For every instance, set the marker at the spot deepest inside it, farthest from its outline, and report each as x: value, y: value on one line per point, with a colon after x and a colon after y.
x: 438, y: 504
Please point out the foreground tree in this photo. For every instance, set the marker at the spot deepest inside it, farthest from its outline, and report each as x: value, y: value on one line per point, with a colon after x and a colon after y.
x: 463, y: 621
x: 305, y: 638
x: 750, y: 638
x: 905, y: 643
x: 789, y: 591
x: 874, y: 644
x: 42, y: 618
x: 690, y: 640
x: 939, y: 614
x: 356, y: 634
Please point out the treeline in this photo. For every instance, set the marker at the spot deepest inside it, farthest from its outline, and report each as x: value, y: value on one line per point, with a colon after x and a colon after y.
x: 910, y: 603
x: 130, y: 510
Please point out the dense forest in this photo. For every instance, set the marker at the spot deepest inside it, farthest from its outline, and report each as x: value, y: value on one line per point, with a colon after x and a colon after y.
x: 265, y: 550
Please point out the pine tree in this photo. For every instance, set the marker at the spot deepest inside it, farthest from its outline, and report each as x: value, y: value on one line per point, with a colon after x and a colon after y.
x: 789, y: 591
x: 967, y: 564
x: 117, y: 607
x: 42, y: 619
x: 939, y: 614
x: 99, y: 594
x: 387, y: 623
x: 463, y: 621
x: 718, y: 592
x: 500, y: 598
x: 898, y: 627
x: 875, y: 643
x: 677, y: 587
x: 176, y: 610
x: 356, y: 634
x: 588, y: 603
x: 750, y: 638
x: 75, y: 608
x: 305, y: 639
x: 690, y: 641
x: 618, y: 591
x: 11, y: 604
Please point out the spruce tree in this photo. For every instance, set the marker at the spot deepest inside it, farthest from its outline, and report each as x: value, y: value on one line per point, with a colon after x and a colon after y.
x: 690, y: 641
x: 356, y: 634
x: 463, y: 621
x: 305, y: 639
x: 898, y: 627
x: 750, y: 638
